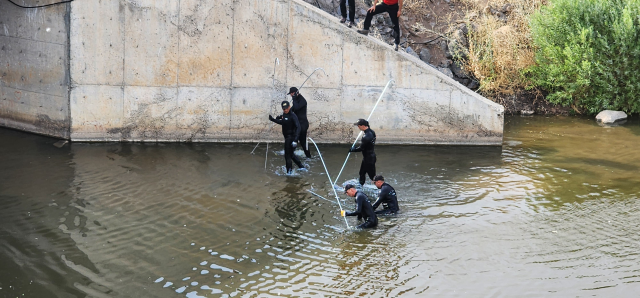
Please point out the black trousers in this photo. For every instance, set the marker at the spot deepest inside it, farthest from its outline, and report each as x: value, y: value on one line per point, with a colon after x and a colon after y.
x: 393, y: 14
x: 367, y: 224
x: 352, y: 9
x: 368, y: 166
x: 288, y: 153
x: 302, y: 139
x: 386, y: 212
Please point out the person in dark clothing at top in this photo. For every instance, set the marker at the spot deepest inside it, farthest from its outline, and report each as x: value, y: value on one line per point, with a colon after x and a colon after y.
x: 290, y: 131
x: 394, y: 8
x: 300, y: 109
x: 363, y: 208
x: 387, y: 197
x: 352, y: 12
x: 368, y: 165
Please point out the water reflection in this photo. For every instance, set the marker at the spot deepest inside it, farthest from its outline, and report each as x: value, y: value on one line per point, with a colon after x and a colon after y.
x: 553, y: 212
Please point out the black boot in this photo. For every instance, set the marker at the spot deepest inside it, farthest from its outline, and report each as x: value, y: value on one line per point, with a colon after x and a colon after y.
x: 307, y: 153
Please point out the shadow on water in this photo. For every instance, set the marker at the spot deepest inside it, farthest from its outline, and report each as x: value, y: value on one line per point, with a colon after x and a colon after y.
x: 552, y: 212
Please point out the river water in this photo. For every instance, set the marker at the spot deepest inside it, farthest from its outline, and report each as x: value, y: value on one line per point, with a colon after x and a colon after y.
x: 554, y: 212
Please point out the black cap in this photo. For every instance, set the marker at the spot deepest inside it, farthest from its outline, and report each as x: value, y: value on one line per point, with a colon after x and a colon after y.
x: 362, y: 122
x: 292, y: 89
x: 347, y: 187
x: 285, y: 105
x: 378, y: 178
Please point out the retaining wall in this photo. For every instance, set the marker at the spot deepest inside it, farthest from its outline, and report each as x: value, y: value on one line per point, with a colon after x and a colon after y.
x: 34, y: 71
x: 198, y: 70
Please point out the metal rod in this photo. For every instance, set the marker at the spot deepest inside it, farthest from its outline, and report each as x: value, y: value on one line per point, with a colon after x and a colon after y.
x: 319, y: 68
x: 273, y: 83
x: 360, y: 134
x: 266, y: 153
x: 327, y: 171
x: 319, y: 196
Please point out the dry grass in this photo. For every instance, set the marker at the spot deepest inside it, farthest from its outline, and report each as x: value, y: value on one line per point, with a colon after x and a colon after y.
x: 500, y: 44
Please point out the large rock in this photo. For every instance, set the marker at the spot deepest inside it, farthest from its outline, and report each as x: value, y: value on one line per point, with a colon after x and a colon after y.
x: 608, y: 116
x: 445, y: 71
x: 457, y: 70
x: 425, y: 55
x: 411, y: 52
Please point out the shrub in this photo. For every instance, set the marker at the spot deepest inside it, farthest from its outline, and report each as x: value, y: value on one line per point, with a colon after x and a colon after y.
x: 500, y: 44
x: 588, y: 54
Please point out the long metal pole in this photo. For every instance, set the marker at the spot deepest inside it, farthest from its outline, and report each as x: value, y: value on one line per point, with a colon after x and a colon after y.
x: 319, y: 196
x: 327, y: 171
x: 360, y: 134
x: 273, y: 83
x: 319, y: 68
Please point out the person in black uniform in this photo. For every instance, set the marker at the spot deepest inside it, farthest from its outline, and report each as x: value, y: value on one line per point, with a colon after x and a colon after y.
x: 387, y: 197
x: 290, y: 131
x: 300, y: 109
x: 368, y: 165
x: 363, y: 208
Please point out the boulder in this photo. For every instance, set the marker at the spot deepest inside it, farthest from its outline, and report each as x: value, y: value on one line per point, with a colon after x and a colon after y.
x: 411, y: 52
x: 609, y: 116
x: 425, y: 55
x: 473, y: 85
x: 457, y: 70
x: 445, y: 71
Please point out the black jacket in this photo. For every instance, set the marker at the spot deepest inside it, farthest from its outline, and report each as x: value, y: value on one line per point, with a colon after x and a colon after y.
x: 300, y: 108
x: 387, y: 198
x: 363, y: 209
x: 290, y: 124
x: 367, y: 143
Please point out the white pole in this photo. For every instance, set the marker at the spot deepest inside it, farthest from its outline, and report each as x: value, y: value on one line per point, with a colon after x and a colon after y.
x: 334, y: 189
x: 360, y: 134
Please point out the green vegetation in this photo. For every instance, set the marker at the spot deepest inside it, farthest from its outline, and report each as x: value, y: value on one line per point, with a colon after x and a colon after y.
x: 588, y: 54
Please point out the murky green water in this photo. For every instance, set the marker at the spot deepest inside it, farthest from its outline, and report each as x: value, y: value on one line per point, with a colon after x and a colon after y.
x: 552, y: 213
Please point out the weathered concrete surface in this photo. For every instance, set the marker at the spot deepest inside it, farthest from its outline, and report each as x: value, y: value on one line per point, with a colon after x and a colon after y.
x: 34, y: 74
x: 195, y: 70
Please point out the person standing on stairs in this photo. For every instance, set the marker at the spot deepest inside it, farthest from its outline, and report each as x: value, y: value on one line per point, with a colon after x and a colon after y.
x: 394, y: 8
x: 352, y: 12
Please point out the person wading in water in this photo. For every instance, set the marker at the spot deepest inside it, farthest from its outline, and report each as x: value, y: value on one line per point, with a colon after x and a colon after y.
x: 387, y: 197
x: 368, y: 165
x: 363, y: 208
x: 300, y: 109
x: 290, y: 131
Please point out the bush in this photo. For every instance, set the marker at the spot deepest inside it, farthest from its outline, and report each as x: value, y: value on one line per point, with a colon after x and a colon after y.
x: 588, y: 54
x: 500, y: 44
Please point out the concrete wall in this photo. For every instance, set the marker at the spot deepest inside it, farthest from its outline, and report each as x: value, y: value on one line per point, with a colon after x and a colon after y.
x: 34, y: 93
x: 197, y: 70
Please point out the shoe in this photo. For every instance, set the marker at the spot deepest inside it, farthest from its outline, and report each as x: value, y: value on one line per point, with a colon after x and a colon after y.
x: 363, y: 31
x: 350, y: 24
x: 395, y: 47
x: 343, y: 20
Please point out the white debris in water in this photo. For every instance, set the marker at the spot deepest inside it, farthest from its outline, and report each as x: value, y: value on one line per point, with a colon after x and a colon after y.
x: 194, y: 283
x: 202, y: 248
x: 192, y: 243
x: 203, y: 272
x: 181, y: 289
x: 168, y: 284
x: 203, y: 263
x: 194, y: 294
x: 159, y: 280
x: 228, y: 257
x: 186, y: 278
x: 213, y: 291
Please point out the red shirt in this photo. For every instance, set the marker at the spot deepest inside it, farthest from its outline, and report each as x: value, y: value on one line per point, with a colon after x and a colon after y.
x: 390, y: 2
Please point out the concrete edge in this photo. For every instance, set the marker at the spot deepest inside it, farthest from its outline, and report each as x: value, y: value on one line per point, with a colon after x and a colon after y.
x: 413, y: 59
